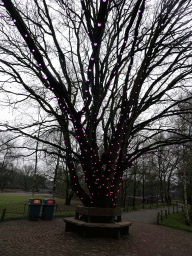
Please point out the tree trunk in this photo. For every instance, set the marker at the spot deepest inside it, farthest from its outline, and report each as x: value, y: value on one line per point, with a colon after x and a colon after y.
x: 35, y: 171
x: 187, y: 220
x: 143, y: 183
x: 143, y: 189
x: 164, y: 190
x: 123, y: 194
x: 168, y: 187
x: 161, y: 188
x: 134, y: 190
x: 185, y: 199
x: 56, y: 169
x: 69, y: 197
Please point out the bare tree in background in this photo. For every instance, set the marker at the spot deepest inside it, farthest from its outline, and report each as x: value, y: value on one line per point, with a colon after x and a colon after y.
x: 106, y: 72
x: 184, y: 122
x: 165, y: 166
x: 8, y: 155
x: 26, y: 177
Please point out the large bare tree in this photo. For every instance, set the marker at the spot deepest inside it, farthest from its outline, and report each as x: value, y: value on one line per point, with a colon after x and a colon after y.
x: 106, y: 71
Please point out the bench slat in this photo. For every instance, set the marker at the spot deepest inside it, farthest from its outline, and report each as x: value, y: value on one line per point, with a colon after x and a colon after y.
x: 94, y: 211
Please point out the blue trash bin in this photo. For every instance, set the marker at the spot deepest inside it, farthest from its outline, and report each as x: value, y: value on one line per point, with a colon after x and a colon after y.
x: 34, y: 207
x: 48, y: 209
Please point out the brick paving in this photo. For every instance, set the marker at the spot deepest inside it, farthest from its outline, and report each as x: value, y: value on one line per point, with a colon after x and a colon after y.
x: 31, y: 238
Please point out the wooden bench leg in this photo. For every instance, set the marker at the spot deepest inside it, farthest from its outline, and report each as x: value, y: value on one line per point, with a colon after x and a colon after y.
x: 67, y: 227
x: 125, y: 231
x: 118, y: 234
x: 77, y: 216
x: 118, y: 218
x: 84, y: 233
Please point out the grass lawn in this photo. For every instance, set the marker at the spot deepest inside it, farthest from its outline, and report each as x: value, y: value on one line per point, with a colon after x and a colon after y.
x: 176, y: 220
x: 14, y: 205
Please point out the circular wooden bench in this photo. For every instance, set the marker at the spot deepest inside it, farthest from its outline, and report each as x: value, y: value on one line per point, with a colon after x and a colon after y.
x: 97, y: 221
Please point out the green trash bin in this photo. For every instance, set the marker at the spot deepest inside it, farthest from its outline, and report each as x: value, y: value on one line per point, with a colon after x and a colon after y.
x: 48, y: 209
x: 34, y: 207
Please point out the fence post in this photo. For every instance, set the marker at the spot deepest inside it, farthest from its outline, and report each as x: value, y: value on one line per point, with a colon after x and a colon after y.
x: 161, y: 215
x: 58, y: 208
x: 177, y: 208
x: 150, y: 205
x: 165, y: 213
x: 168, y: 210
x: 173, y: 210
x: 143, y: 207
x: 182, y: 208
x: 24, y: 209
x: 3, y: 214
x: 158, y: 218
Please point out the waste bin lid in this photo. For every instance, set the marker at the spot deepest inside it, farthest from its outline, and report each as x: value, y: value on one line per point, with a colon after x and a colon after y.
x: 48, y: 201
x: 35, y: 201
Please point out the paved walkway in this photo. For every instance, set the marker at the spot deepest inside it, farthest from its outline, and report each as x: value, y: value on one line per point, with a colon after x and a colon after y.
x: 147, y: 216
x: 31, y: 238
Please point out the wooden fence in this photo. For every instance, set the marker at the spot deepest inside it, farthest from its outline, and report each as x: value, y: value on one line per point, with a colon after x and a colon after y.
x: 57, y: 209
x: 157, y: 205
x: 161, y: 215
x: 5, y: 211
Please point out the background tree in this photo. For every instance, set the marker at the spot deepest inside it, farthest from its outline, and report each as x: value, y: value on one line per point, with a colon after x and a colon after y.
x: 6, y: 172
x: 26, y: 177
x: 115, y: 73
x: 183, y: 122
x: 8, y: 156
x: 40, y: 182
x: 165, y: 167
